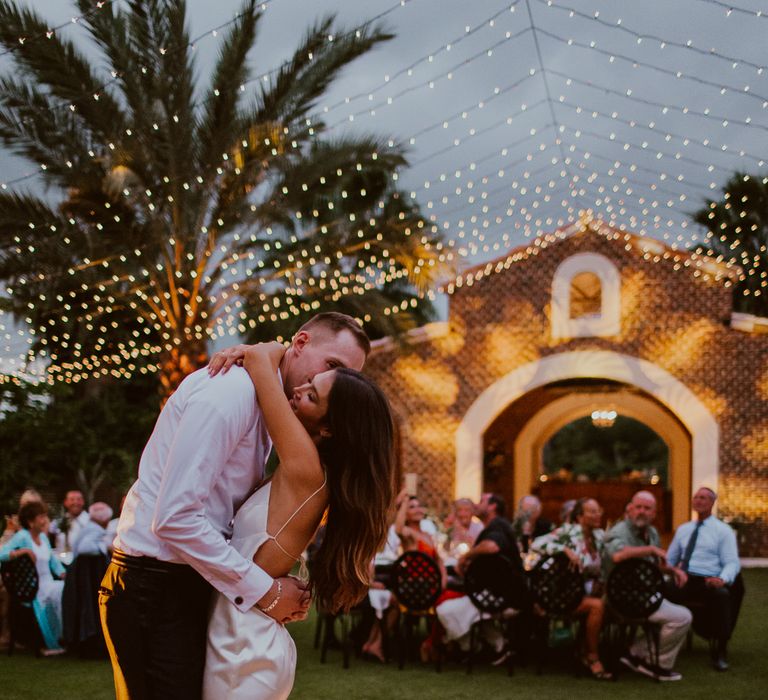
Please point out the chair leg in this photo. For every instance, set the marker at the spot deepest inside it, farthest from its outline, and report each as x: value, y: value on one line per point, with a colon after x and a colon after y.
x: 508, y: 637
x: 345, y: 644
x: 472, y: 639
x: 318, y: 630
x: 542, y: 633
x: 400, y: 640
x: 437, y: 649
x: 324, y: 639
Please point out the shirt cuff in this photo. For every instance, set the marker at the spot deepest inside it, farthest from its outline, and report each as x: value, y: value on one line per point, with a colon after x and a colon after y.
x: 252, y: 588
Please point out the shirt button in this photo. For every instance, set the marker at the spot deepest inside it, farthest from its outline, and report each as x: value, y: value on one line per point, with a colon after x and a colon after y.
x: 239, y: 600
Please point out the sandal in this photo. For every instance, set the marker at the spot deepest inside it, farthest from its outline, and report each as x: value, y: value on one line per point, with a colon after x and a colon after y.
x: 596, y: 669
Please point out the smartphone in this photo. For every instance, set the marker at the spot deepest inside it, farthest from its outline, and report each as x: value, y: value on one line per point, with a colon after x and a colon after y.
x: 411, y: 483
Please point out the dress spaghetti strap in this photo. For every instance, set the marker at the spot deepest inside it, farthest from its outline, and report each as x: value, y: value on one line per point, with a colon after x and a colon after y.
x: 293, y: 515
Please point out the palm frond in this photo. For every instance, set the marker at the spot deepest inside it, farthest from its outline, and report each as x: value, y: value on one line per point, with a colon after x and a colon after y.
x: 32, y: 126
x: 57, y: 64
x: 293, y: 92
x: 220, y: 120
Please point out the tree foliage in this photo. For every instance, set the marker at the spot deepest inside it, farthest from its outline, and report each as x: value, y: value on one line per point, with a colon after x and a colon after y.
x: 738, y: 231
x: 184, y: 212
x: 62, y: 437
x: 582, y: 449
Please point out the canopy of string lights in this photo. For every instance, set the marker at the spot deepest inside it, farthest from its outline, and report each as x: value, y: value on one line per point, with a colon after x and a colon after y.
x: 518, y: 119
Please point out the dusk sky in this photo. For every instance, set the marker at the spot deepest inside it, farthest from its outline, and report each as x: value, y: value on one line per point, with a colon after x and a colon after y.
x: 656, y: 103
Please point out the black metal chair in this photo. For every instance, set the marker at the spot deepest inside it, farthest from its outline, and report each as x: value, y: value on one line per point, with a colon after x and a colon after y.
x: 325, y: 631
x: 634, y: 591
x: 21, y: 581
x: 417, y: 584
x: 558, y: 589
x: 499, y: 590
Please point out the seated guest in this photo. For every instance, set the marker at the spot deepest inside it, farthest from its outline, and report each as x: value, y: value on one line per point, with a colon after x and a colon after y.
x: 94, y: 538
x: 565, y: 510
x: 635, y: 537
x: 582, y: 542
x: 458, y: 614
x: 66, y: 529
x: 528, y: 522
x: 393, y: 546
x: 706, y: 550
x: 463, y: 527
x: 32, y: 541
x: 408, y: 522
x: 12, y: 526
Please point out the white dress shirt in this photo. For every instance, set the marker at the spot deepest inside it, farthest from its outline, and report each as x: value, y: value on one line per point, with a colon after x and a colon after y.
x: 93, y: 539
x: 205, y: 456
x: 715, y: 552
x: 65, y: 541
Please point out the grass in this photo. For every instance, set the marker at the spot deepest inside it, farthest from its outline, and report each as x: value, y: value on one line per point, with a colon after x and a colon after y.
x: 23, y: 677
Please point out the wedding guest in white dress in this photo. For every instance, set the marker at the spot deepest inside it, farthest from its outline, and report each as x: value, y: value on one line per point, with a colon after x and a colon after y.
x: 32, y: 541
x: 204, y: 458
x: 334, y: 441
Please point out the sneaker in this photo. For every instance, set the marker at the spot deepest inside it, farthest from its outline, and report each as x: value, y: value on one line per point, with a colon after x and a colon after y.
x: 667, y: 674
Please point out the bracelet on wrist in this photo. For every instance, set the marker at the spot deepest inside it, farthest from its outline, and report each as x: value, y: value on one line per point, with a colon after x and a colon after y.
x: 277, y: 597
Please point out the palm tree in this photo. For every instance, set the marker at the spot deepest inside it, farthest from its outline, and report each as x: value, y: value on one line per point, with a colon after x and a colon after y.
x: 737, y: 228
x: 180, y: 214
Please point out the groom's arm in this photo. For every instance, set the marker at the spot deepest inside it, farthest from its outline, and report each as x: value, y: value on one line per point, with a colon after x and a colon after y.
x: 204, y: 439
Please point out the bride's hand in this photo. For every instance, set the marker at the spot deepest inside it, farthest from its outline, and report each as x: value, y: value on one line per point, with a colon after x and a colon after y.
x: 293, y: 603
x: 222, y: 360
x: 270, y: 353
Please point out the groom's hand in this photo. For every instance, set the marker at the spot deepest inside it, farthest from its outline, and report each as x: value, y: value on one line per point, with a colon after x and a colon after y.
x: 294, y: 601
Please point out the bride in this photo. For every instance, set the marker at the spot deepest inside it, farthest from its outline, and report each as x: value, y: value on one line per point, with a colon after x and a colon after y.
x: 334, y: 440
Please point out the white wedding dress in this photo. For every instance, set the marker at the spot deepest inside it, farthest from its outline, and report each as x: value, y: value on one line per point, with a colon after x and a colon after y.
x: 249, y: 655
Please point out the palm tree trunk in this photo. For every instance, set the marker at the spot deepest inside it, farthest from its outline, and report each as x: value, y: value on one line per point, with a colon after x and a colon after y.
x: 178, y: 363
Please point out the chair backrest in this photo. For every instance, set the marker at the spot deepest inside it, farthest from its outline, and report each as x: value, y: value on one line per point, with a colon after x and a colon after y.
x: 20, y: 578
x: 416, y: 581
x: 635, y: 588
x: 494, y: 584
x: 557, y: 586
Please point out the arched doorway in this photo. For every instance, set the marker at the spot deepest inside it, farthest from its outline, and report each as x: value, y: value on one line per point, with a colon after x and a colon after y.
x: 658, y: 384
x: 518, y: 436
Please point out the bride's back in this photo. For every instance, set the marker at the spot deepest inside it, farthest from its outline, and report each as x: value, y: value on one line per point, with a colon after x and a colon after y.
x: 294, y: 511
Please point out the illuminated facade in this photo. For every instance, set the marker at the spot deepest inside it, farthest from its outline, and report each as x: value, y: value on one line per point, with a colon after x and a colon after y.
x: 599, y: 318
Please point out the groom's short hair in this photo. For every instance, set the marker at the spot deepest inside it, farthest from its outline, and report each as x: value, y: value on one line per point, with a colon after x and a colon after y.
x: 335, y: 322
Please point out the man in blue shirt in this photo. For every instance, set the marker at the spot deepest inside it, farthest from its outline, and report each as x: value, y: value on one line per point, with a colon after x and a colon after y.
x: 93, y: 538
x: 706, y: 550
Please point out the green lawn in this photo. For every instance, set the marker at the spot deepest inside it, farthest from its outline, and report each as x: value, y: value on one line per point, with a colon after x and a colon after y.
x: 23, y: 677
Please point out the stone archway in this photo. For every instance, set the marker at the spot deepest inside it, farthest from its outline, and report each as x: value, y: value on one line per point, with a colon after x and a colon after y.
x: 590, y: 364
x: 545, y: 423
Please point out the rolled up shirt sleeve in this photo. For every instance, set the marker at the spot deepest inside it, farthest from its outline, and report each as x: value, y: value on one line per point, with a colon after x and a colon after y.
x: 203, y: 441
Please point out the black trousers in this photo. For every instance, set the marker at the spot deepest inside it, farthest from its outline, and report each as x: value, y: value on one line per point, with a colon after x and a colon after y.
x: 154, y: 615
x: 715, y: 610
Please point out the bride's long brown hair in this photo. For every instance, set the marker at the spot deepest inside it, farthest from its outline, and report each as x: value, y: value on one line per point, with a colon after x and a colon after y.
x: 359, y: 460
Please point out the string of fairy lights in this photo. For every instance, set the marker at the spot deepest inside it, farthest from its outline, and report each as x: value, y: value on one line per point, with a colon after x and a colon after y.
x: 569, y: 149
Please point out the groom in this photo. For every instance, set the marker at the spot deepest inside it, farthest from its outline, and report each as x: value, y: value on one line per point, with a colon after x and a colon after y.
x: 204, y: 458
